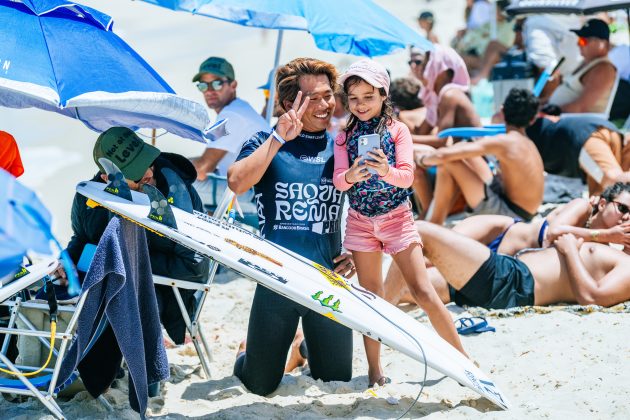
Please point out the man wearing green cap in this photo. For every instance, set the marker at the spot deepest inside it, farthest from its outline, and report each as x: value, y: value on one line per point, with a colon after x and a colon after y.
x: 142, y: 164
x: 217, y: 82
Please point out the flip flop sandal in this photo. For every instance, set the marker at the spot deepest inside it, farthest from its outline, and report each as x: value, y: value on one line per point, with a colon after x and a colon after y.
x: 472, y: 325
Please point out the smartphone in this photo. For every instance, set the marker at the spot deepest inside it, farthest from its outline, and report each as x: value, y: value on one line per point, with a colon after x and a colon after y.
x: 367, y: 143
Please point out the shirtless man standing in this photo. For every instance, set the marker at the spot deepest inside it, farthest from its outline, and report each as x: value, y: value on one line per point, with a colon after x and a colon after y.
x: 516, y: 191
x: 468, y: 273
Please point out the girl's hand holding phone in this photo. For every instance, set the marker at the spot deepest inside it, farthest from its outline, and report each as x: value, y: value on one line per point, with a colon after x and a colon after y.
x: 358, y: 171
x: 378, y: 161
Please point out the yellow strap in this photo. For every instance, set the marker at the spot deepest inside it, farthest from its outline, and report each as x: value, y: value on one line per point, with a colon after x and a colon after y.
x: 53, y: 331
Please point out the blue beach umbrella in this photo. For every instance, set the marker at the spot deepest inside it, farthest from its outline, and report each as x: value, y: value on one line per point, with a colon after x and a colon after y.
x: 63, y: 57
x: 24, y: 227
x: 356, y: 27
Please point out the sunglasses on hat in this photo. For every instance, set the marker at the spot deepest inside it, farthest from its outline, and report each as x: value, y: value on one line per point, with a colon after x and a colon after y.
x: 214, y: 85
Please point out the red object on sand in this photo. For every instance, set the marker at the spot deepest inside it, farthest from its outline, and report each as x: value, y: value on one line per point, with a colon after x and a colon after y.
x: 10, y: 159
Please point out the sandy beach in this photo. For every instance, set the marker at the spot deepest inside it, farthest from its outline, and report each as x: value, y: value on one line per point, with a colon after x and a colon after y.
x: 559, y: 364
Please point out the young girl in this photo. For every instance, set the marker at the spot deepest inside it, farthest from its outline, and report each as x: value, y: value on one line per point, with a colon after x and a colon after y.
x: 380, y: 219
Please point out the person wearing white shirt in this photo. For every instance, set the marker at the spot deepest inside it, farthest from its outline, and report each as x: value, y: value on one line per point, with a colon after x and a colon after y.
x: 216, y: 81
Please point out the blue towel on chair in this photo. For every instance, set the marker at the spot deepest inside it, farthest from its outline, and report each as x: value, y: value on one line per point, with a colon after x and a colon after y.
x: 121, y: 292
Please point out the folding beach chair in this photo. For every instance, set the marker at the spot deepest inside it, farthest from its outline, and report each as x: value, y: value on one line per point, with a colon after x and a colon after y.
x: 202, y: 289
x: 14, y: 296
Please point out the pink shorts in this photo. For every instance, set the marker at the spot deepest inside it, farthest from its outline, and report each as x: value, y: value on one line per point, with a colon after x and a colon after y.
x: 391, y: 233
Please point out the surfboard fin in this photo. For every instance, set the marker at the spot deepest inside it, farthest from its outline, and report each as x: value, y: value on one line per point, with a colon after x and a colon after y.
x: 161, y: 210
x: 178, y: 195
x: 117, y: 183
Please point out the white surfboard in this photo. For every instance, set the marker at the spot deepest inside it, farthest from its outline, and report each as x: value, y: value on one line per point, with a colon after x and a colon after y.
x: 27, y: 276
x: 305, y: 282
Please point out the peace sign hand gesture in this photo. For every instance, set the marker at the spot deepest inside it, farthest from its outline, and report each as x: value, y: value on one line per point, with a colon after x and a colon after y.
x: 290, y: 123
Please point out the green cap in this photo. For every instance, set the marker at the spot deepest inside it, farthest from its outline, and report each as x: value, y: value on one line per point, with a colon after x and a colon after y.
x: 217, y: 66
x: 126, y: 150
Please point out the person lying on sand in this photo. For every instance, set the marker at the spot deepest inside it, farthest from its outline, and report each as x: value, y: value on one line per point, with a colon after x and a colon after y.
x: 468, y: 273
x: 607, y: 221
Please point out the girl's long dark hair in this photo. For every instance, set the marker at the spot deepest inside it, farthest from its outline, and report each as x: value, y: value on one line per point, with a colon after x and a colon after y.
x: 387, y: 111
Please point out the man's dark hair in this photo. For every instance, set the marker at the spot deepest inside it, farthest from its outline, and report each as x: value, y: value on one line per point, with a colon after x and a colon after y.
x: 288, y: 77
x: 404, y: 93
x: 520, y: 107
x: 615, y: 190
x: 612, y: 192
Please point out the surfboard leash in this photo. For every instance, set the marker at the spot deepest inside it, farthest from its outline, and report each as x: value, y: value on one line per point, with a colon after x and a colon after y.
x: 424, y: 379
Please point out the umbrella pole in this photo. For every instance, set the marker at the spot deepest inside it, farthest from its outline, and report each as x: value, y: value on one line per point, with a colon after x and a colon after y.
x: 153, y: 134
x: 272, y: 87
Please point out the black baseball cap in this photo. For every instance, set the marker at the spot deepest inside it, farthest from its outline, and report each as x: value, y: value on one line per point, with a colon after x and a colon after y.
x: 426, y: 15
x: 594, y: 28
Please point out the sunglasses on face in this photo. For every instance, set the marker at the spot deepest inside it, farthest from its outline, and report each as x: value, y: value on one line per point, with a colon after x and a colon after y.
x: 214, y: 85
x: 621, y: 208
x: 415, y: 62
x: 582, y: 42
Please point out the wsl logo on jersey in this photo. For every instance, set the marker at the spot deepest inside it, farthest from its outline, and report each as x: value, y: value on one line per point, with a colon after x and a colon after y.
x: 312, y: 159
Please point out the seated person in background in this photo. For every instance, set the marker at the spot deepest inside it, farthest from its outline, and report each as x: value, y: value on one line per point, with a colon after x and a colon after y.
x: 496, y: 51
x: 608, y: 221
x: 444, y: 94
x: 582, y: 147
x: 479, y: 50
x: 589, y: 87
x: 10, y: 159
x: 547, y: 39
x: 216, y: 81
x: 417, y: 60
x: 408, y: 109
x: 144, y: 165
x: 426, y: 21
x: 445, y: 84
x: 516, y: 190
x: 468, y: 273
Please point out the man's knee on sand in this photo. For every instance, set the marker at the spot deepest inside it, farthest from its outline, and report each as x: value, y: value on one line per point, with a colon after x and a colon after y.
x: 259, y: 383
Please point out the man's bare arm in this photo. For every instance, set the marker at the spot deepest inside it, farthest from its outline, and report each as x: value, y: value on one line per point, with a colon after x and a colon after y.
x: 570, y: 218
x: 428, y: 140
x: 208, y: 162
x: 612, y: 289
x: 245, y: 173
x: 459, y: 151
